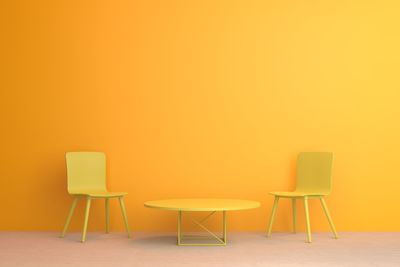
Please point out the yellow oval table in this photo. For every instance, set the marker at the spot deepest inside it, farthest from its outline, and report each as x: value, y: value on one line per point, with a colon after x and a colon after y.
x: 211, y: 205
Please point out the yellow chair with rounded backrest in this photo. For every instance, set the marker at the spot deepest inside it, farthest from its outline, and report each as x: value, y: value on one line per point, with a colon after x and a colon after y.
x: 86, y: 173
x: 314, y: 180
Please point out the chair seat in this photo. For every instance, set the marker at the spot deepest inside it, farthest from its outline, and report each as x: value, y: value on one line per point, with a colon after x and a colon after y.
x: 297, y: 194
x: 100, y: 194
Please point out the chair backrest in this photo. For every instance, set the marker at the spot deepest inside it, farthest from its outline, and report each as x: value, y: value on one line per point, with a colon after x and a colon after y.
x: 86, y: 171
x: 314, y: 172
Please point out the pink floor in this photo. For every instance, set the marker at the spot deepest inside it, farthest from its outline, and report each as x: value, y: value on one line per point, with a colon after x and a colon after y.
x: 41, y: 249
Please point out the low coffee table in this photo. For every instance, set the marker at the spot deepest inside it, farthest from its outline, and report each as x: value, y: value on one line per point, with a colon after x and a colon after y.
x: 202, y: 204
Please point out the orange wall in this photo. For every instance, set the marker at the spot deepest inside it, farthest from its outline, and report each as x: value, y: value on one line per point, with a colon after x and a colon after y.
x: 200, y: 99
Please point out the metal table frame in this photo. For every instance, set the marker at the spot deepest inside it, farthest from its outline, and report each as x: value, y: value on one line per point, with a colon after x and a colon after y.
x: 221, y: 241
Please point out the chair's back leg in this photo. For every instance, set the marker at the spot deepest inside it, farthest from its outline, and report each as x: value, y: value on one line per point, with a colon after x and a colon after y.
x: 107, y: 206
x: 294, y: 208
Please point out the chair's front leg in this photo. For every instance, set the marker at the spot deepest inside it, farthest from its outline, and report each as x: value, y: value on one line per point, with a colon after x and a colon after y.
x: 325, y: 207
x: 271, y: 220
x: 71, y: 212
x: 307, y: 219
x: 85, y: 223
x: 294, y: 209
x: 122, y: 204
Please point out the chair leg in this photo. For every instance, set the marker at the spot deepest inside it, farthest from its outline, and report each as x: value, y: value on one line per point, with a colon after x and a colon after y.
x: 85, y: 223
x: 294, y: 208
x: 307, y: 219
x: 107, y: 206
x: 71, y: 212
x: 122, y: 204
x: 272, y: 218
x: 325, y: 207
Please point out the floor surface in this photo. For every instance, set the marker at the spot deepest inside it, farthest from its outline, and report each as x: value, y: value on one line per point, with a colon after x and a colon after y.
x: 244, y: 249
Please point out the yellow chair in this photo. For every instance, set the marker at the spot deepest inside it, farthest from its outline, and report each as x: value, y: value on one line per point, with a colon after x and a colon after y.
x: 86, y: 172
x: 314, y: 180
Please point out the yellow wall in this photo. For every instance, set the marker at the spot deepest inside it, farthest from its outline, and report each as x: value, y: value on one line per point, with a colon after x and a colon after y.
x: 200, y: 99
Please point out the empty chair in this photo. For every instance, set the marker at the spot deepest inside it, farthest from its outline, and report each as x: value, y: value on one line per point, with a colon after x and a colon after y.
x: 314, y: 180
x: 86, y: 172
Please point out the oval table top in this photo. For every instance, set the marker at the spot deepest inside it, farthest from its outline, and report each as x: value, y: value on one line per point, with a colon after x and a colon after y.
x: 202, y: 204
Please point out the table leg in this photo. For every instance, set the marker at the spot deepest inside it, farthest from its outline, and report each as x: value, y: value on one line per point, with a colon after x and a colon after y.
x: 222, y: 241
x: 179, y: 227
x: 225, y: 226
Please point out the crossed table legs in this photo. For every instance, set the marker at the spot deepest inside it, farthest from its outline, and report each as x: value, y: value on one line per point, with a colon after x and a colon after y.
x: 221, y: 241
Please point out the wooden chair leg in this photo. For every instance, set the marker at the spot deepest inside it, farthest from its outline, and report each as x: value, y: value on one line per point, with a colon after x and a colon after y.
x: 85, y: 223
x: 71, y: 212
x: 307, y: 219
x: 272, y: 218
x: 122, y: 204
x: 325, y: 207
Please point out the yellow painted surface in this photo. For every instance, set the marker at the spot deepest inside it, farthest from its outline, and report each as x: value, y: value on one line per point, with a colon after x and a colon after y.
x: 202, y: 204
x: 209, y: 99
